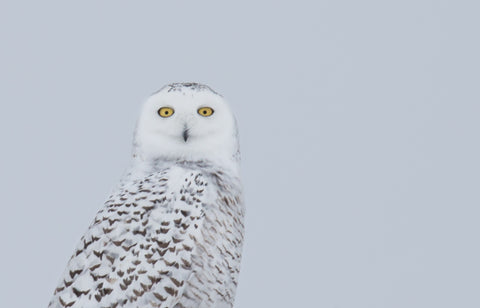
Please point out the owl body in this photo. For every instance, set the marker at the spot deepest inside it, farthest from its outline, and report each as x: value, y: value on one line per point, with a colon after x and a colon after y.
x: 170, y: 235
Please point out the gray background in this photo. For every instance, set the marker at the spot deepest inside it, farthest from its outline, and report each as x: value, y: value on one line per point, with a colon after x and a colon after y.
x: 359, y: 126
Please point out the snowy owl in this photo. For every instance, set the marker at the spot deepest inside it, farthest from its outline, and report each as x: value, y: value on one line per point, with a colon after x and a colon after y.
x: 171, y: 233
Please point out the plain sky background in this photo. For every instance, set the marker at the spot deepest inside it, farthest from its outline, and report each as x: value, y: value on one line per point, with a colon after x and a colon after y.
x: 359, y: 125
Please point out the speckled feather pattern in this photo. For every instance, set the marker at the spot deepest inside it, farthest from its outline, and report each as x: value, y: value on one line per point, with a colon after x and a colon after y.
x: 183, y: 86
x: 169, y: 236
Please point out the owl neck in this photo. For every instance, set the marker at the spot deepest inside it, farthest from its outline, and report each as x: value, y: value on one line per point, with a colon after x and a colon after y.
x: 147, y: 165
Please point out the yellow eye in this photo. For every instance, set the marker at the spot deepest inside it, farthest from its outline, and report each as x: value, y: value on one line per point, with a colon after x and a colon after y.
x: 166, y: 112
x: 205, y: 111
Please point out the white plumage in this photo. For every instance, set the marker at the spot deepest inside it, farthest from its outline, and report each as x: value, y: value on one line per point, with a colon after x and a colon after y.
x: 171, y: 234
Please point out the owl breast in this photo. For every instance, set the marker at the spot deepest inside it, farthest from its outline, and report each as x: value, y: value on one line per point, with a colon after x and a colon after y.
x: 216, y: 261
x: 170, y: 238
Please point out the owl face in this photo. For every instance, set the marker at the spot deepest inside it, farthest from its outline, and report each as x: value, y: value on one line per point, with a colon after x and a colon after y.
x: 186, y: 123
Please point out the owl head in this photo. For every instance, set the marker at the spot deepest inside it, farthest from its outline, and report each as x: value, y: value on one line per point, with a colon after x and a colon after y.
x: 186, y: 121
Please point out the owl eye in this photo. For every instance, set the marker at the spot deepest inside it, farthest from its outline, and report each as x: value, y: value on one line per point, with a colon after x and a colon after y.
x: 205, y: 111
x: 166, y: 112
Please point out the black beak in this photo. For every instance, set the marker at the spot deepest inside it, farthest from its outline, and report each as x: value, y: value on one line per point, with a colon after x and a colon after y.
x: 185, y: 134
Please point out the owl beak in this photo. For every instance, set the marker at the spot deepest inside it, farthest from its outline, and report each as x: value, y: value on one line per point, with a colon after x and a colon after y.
x: 185, y: 134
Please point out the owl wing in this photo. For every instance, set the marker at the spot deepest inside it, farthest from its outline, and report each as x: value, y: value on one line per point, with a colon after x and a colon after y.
x: 139, y: 249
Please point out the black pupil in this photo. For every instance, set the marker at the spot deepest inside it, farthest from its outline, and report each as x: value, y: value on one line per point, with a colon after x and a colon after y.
x: 166, y: 112
x: 204, y: 112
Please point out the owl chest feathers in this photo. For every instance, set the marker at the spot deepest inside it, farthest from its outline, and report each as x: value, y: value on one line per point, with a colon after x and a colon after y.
x: 169, y: 238
x: 194, y: 215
